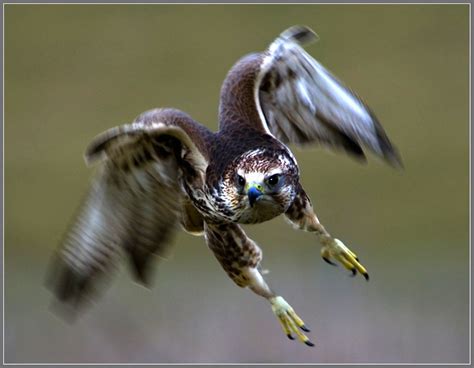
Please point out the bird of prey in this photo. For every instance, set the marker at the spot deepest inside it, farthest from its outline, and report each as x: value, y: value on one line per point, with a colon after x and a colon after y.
x: 165, y: 170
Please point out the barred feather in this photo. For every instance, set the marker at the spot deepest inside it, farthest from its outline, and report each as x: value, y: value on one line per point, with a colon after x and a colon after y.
x: 133, y: 206
x: 302, y: 102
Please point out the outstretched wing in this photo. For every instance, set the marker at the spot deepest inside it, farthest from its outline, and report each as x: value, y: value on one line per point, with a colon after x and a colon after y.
x: 302, y: 102
x: 134, y: 203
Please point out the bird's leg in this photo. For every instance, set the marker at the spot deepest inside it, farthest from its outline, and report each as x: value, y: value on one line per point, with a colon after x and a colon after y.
x: 240, y: 257
x: 302, y: 215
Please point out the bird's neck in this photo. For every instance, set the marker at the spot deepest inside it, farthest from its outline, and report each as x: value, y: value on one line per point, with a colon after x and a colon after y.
x: 237, y: 108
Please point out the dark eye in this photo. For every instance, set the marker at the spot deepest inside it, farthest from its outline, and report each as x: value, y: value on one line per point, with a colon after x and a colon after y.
x: 273, y: 180
x: 240, y: 180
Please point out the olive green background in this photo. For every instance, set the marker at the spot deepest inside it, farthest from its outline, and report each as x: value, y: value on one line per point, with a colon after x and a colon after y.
x: 72, y: 71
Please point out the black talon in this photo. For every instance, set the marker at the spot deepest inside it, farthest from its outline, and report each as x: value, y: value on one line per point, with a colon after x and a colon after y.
x: 329, y: 261
x: 290, y: 337
x: 309, y: 343
x: 354, y: 271
x: 305, y: 329
x: 357, y: 259
x: 366, y: 275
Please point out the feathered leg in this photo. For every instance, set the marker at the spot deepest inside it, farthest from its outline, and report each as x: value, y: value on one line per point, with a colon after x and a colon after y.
x: 301, y: 214
x: 240, y: 257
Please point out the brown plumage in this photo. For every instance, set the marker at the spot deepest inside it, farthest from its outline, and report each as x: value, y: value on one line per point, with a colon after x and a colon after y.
x: 165, y: 169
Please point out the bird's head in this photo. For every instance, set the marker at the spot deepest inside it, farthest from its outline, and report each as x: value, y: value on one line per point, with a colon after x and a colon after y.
x: 260, y: 184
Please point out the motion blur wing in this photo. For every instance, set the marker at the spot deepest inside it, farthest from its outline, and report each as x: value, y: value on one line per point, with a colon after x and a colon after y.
x: 134, y: 202
x: 303, y: 103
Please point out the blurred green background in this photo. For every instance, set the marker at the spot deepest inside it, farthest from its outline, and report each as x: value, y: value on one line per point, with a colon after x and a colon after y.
x: 72, y: 71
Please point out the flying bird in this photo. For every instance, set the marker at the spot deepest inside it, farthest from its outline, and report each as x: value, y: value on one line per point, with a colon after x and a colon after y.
x: 165, y: 170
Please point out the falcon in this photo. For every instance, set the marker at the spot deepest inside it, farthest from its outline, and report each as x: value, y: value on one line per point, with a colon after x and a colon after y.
x: 165, y: 170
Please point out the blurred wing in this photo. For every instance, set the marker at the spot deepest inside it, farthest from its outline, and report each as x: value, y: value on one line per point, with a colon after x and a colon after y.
x: 133, y: 205
x: 303, y: 103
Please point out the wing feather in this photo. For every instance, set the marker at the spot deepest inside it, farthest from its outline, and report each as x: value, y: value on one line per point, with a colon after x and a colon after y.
x: 302, y: 102
x: 133, y: 205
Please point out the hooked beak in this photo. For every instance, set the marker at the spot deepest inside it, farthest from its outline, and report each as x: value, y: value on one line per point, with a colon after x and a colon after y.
x: 254, y: 191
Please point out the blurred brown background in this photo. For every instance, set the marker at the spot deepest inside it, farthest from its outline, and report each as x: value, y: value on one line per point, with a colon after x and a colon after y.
x: 72, y: 71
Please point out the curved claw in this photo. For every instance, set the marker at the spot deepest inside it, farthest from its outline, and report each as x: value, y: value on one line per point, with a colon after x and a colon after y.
x: 305, y: 329
x: 327, y: 260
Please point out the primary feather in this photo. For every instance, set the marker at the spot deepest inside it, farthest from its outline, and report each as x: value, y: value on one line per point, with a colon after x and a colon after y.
x: 302, y: 102
x: 135, y: 201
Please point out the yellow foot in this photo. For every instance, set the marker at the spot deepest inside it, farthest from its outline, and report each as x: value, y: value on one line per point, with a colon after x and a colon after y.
x: 335, y: 249
x: 289, y: 320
